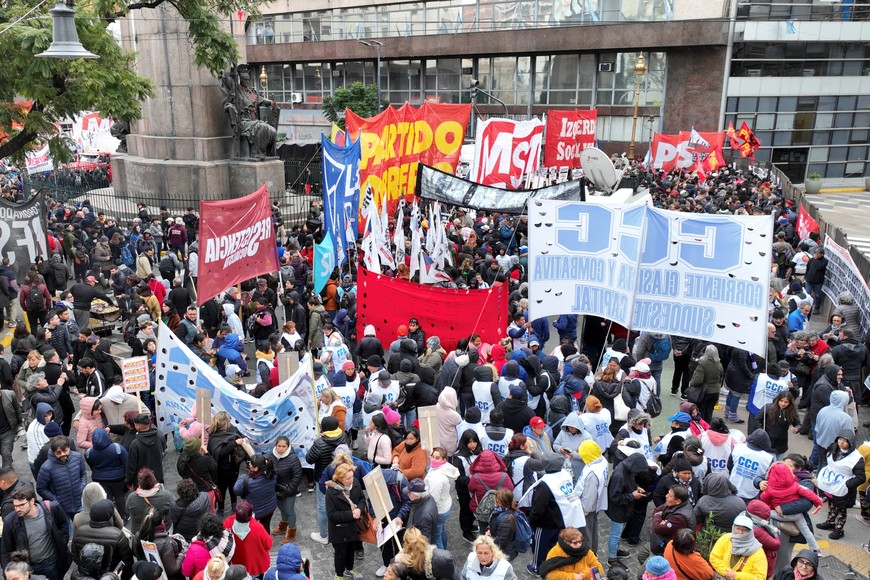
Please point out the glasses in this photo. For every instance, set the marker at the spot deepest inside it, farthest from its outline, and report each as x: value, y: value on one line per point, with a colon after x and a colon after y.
x: 803, y: 562
x: 20, y: 506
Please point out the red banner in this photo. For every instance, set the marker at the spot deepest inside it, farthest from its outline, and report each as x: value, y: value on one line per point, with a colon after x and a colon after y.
x: 805, y: 224
x: 671, y: 152
x: 386, y: 303
x: 568, y: 133
x: 236, y: 242
x: 505, y: 151
x: 394, y: 141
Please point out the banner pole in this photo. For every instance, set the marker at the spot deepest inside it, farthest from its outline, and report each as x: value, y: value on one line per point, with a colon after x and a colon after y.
x: 390, y: 521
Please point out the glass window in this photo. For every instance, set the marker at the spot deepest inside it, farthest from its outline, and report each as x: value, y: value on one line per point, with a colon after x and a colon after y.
x: 847, y: 103
x: 827, y: 104
x: 855, y: 169
x: 838, y: 154
x: 748, y: 105
x: 839, y: 137
x: 766, y: 104
x: 821, y: 137
x: 781, y: 138
x: 818, y: 154
x: 731, y: 105
x: 785, y: 121
x: 788, y: 104
x: 857, y: 153
x: 859, y: 136
x: 835, y: 170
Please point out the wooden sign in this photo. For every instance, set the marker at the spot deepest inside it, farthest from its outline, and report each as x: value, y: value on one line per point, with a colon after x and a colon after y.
x: 135, y: 374
x: 288, y: 364
x: 203, y: 407
x: 382, y: 503
x: 428, y: 417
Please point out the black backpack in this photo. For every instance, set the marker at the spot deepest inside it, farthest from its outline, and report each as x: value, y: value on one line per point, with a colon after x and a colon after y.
x: 35, y: 301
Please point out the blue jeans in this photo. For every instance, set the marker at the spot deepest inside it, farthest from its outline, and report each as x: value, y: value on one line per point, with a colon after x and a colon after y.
x: 288, y: 510
x: 732, y: 402
x: 615, y: 534
x: 408, y: 417
x: 441, y: 531
x: 814, y: 290
x: 321, y: 511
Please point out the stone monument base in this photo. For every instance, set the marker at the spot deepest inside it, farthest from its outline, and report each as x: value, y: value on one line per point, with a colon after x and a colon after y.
x: 154, y: 180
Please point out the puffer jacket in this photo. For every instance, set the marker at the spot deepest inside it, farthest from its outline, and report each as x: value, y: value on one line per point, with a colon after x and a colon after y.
x: 229, y: 351
x: 108, y: 536
x: 89, y: 422
x: 107, y: 460
x: 260, y: 491
x: 321, y: 453
x: 423, y: 515
x: 288, y: 471
x: 185, y: 515
x: 486, y: 472
x: 63, y: 482
x: 91, y: 563
x: 287, y: 565
x: 568, y: 441
x: 720, y: 500
x: 448, y: 419
x: 740, y: 372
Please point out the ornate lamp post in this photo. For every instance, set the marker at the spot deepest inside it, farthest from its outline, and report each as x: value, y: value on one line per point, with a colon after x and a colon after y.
x: 264, y: 82
x: 639, y: 73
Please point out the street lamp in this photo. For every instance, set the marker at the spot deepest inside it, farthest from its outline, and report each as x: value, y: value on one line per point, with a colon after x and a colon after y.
x: 264, y: 82
x: 639, y: 73
x: 377, y: 44
x: 474, y: 85
x: 65, y: 39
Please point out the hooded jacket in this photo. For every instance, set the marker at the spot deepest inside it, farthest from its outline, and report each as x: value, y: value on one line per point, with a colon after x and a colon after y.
x: 517, y: 413
x: 783, y: 487
x: 571, y: 441
x: 836, y: 454
x: 448, y: 419
x: 439, y: 481
x: 36, y: 437
x: 765, y: 532
x: 146, y: 451
x: 559, y: 409
x: 107, y: 460
x: 89, y: 422
x: 287, y: 565
x: 486, y: 472
x: 92, y: 493
x: 823, y: 388
x: 185, y: 515
x: 623, y: 482
x: 231, y: 353
x: 787, y: 572
x: 64, y: 482
x: 498, y: 357
x: 102, y: 531
x: 719, y: 499
x: 832, y: 419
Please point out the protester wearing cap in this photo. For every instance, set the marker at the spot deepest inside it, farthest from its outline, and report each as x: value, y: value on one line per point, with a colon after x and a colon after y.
x: 319, y: 457
x: 592, y: 487
x: 321, y: 381
x: 738, y: 555
x: 672, y: 442
x: 537, y: 431
x: 424, y: 511
x: 385, y: 386
x: 84, y: 294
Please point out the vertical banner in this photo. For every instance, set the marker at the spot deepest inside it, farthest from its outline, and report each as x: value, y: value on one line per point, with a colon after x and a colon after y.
x: 842, y: 274
x: 22, y: 235
x: 699, y: 276
x: 505, y: 151
x: 568, y: 133
x: 805, y: 224
x: 395, y: 140
x: 340, y: 193
x: 324, y: 263
x: 237, y: 242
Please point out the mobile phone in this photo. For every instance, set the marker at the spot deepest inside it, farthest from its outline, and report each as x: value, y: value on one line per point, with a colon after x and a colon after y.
x: 119, y: 568
x: 596, y: 573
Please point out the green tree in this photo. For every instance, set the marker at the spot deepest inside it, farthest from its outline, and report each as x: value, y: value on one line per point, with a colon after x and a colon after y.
x: 60, y: 89
x: 359, y: 98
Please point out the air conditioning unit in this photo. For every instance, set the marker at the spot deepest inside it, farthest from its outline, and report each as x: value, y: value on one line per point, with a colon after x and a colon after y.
x: 295, y: 97
x: 605, y: 67
x: 336, y: 73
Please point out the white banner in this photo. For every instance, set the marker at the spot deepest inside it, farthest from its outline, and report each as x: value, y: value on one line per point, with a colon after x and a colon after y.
x: 38, y: 161
x: 288, y: 409
x: 700, y: 276
x: 842, y: 274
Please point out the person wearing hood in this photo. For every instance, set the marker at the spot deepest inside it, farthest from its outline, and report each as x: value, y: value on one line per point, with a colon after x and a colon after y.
x: 739, y: 376
x: 623, y: 490
x: 717, y: 444
x: 829, y: 381
x: 681, y: 474
x: 231, y: 353
x: 495, y: 436
x: 851, y: 356
x: 804, y: 566
x: 108, y: 463
x: 515, y: 408
x: 574, y: 386
x: 499, y: 356
x: 289, y: 565
x: 146, y: 450
x: 850, y: 312
x: 488, y: 471
x: 439, y: 480
x: 636, y: 429
x: 765, y: 531
x: 90, y: 420
x: 554, y: 504
x: 538, y: 381
x: 468, y: 450
x: 251, y: 539
x: 93, y: 493
x: 295, y: 312
x: 114, y: 404
x: 433, y: 356
x: 570, y: 558
x: 572, y: 434
x: 485, y: 392
x: 36, y: 437
x: 63, y: 477
x: 448, y: 419
x: 592, y: 486
x: 719, y: 498
x: 510, y: 376
x: 831, y: 421
x: 748, y: 461
x: 839, y: 480
x: 101, y: 530
x: 738, y: 555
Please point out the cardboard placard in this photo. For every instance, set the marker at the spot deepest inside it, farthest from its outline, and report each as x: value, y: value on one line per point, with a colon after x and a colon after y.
x: 203, y: 407
x: 135, y: 374
x: 385, y: 532
x: 152, y: 555
x: 288, y: 363
x: 428, y: 417
x: 382, y: 503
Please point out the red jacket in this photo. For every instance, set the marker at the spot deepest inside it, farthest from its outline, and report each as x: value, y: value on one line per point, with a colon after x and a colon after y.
x: 25, y: 290
x: 158, y: 290
x: 253, y: 551
x: 487, y: 469
x: 783, y: 487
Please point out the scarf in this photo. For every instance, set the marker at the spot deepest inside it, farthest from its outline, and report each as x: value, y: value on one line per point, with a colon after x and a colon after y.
x: 759, y: 522
x: 148, y: 492
x: 687, y: 485
x: 224, y: 545
x: 574, y: 555
x: 241, y: 529
x: 436, y: 464
x: 410, y: 448
x: 744, y: 544
x: 282, y: 455
x: 333, y: 433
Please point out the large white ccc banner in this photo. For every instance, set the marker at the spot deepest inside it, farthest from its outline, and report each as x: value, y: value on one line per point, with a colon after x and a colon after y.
x: 696, y: 275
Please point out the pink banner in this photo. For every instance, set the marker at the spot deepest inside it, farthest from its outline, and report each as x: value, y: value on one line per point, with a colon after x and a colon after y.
x: 236, y: 242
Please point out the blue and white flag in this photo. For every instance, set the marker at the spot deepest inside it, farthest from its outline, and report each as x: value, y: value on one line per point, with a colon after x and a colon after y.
x: 340, y: 192
x: 288, y: 409
x: 324, y: 262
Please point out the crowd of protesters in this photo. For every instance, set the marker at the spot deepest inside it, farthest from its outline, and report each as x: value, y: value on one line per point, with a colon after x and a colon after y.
x: 544, y: 450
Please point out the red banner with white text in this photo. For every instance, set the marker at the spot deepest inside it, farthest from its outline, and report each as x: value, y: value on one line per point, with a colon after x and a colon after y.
x: 394, y: 141
x: 805, y: 224
x: 236, y: 242
x: 679, y: 151
x: 505, y: 151
x: 450, y: 314
x: 568, y: 133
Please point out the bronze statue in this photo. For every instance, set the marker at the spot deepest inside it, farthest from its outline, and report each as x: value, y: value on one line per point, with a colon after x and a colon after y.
x: 253, y: 119
x: 119, y: 130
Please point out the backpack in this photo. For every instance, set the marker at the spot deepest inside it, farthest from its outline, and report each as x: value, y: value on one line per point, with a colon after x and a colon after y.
x: 35, y: 301
x: 127, y: 256
x: 166, y: 263
x: 522, y: 536
x: 660, y: 348
x: 487, y: 502
x: 81, y: 257
x: 654, y: 405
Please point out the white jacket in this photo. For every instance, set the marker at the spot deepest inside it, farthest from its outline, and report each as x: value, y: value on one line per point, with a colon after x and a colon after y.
x: 439, y: 482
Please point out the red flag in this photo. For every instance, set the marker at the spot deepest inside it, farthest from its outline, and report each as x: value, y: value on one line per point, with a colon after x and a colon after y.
x: 714, y: 160
x: 237, y: 242
x: 805, y: 224
x: 732, y: 135
x: 749, y: 144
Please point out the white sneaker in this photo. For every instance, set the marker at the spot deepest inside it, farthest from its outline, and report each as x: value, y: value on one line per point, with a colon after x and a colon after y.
x: 318, y: 538
x: 381, y: 571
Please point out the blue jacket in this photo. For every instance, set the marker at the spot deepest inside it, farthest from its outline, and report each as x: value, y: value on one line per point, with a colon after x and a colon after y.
x: 63, y: 482
x: 108, y: 461
x: 287, y: 565
x: 261, y: 492
x: 230, y: 351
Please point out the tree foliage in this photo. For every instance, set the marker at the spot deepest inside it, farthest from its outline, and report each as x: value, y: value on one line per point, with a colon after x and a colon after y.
x: 60, y: 89
x: 359, y: 98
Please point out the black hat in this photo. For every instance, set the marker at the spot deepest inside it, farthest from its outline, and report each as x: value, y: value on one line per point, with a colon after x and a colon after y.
x: 374, y: 361
x: 329, y: 424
